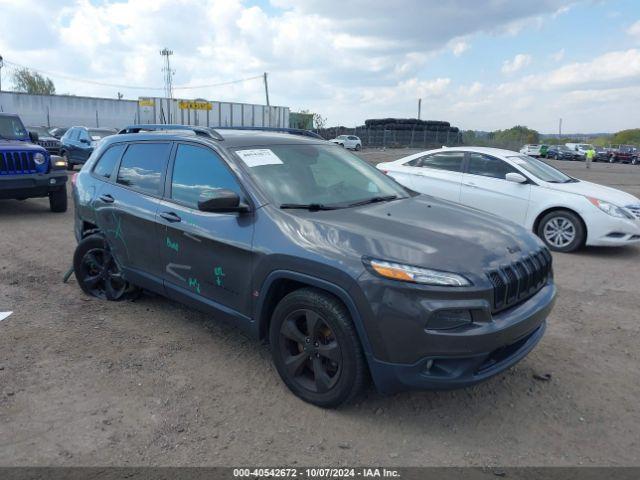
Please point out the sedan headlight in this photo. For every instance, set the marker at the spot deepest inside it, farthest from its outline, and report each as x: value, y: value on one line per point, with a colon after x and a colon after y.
x: 409, y: 273
x: 610, y: 208
x: 38, y: 158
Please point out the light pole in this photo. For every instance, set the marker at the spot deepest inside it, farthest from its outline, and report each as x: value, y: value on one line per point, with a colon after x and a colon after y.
x: 1, y: 65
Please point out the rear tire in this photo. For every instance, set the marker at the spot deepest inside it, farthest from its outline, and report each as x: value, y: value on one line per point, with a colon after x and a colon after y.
x: 316, y: 349
x: 562, y: 231
x: 97, y: 272
x: 58, y: 200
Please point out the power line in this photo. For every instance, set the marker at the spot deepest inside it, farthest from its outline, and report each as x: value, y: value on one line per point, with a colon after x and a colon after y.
x: 132, y: 87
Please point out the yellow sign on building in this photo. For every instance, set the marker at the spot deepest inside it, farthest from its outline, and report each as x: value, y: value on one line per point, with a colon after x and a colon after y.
x: 146, y: 102
x: 193, y: 105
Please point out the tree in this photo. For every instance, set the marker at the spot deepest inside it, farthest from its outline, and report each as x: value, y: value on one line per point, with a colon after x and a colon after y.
x: 319, y: 121
x: 25, y: 80
x: 627, y: 137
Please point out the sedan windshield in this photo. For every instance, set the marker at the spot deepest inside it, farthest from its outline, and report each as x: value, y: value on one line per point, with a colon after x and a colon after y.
x: 317, y: 177
x: 11, y: 128
x: 539, y: 169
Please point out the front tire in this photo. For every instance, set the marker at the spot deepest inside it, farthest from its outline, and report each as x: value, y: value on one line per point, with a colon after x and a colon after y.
x: 97, y: 272
x: 316, y: 349
x: 562, y: 231
x: 58, y: 200
x: 358, y: 147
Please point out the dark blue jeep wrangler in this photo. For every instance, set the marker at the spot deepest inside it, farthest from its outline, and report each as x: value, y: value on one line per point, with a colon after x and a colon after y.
x: 28, y: 170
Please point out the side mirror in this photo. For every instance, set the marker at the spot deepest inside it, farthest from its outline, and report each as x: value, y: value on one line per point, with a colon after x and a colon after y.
x: 221, y: 200
x: 33, y: 136
x: 85, y: 141
x: 515, y: 177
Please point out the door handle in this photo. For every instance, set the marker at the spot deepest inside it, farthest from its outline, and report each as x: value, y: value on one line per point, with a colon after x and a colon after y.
x: 106, y: 198
x: 170, y: 217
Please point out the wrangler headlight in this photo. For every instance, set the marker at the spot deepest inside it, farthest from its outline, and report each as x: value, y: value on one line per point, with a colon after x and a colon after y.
x: 409, y: 273
x: 38, y: 158
x: 610, y: 208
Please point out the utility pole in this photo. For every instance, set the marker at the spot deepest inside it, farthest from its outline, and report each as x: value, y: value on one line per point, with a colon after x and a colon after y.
x: 560, y: 128
x: 168, y: 76
x: 266, y: 88
x: 1, y: 65
x: 419, y: 107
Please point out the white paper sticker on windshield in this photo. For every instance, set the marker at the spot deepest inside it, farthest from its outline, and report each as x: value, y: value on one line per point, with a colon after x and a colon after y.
x: 259, y: 157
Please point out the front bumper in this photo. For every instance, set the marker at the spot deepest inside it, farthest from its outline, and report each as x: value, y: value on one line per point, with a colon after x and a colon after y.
x: 606, y: 231
x: 447, y: 359
x: 33, y: 185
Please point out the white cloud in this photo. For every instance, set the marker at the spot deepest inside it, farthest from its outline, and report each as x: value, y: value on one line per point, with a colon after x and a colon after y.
x: 459, y: 47
x: 520, y: 61
x: 558, y: 56
x: 634, y: 30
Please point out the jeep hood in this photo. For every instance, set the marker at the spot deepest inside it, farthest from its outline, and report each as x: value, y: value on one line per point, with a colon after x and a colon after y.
x: 422, y: 231
x: 588, y: 189
x: 19, y: 145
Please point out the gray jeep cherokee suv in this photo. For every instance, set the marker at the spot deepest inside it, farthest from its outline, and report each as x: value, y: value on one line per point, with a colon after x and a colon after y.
x: 344, y: 272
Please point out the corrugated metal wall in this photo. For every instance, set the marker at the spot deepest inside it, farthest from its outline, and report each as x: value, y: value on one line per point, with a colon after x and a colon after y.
x: 212, y: 114
x: 68, y: 110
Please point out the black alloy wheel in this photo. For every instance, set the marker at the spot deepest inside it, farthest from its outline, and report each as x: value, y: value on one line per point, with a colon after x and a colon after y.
x: 97, y: 271
x: 310, y: 351
x: 316, y: 349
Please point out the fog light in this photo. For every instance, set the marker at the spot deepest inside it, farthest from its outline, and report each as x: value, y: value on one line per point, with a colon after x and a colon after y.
x: 447, y: 319
x: 52, y: 181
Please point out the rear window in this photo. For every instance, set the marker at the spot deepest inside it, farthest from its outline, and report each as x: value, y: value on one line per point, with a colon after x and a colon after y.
x: 142, y: 165
x: 106, y: 164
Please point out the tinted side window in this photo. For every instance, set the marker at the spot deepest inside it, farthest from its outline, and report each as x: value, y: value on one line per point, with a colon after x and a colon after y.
x: 104, y: 167
x: 142, y: 165
x: 488, y: 166
x: 83, y: 134
x: 451, y: 161
x: 198, y: 169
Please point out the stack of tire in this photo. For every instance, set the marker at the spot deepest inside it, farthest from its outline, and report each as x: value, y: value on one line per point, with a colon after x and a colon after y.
x: 409, y: 124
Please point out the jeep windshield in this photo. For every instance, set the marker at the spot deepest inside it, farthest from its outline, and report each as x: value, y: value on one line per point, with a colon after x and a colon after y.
x: 11, y: 128
x: 541, y: 170
x: 317, y: 177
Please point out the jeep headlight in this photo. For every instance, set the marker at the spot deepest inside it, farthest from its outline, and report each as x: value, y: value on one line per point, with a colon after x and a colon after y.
x: 410, y: 273
x: 38, y: 158
x: 610, y: 208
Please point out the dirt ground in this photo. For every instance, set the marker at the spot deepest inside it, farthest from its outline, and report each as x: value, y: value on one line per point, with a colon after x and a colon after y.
x: 150, y: 382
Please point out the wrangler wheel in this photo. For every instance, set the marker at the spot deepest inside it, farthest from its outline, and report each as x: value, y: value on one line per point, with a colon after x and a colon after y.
x: 316, y: 349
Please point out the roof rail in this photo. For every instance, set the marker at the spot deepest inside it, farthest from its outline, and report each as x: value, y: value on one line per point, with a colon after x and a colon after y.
x: 173, y: 128
x: 292, y: 131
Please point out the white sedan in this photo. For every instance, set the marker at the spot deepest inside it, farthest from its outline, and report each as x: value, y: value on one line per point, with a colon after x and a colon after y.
x: 348, y: 141
x: 564, y: 211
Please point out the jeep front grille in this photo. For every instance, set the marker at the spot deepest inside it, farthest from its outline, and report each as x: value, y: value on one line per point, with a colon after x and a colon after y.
x: 16, y: 163
x: 517, y: 281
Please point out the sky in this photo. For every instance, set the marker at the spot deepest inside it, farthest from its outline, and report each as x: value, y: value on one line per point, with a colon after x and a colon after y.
x: 479, y: 64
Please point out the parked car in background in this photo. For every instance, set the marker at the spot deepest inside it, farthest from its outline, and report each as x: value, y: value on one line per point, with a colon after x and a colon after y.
x: 565, y: 212
x: 27, y: 170
x: 344, y: 272
x: 562, y: 152
x: 602, y: 154
x: 533, y: 150
x: 348, y: 141
x: 46, y: 139
x: 581, y: 148
x: 77, y: 144
x: 621, y: 154
x: 58, y: 132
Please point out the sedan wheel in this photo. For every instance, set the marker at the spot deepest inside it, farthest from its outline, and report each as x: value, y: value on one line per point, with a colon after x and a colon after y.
x: 562, y: 231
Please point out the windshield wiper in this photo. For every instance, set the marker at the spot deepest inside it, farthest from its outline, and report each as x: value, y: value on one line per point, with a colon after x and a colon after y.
x: 367, y: 201
x: 312, y: 207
